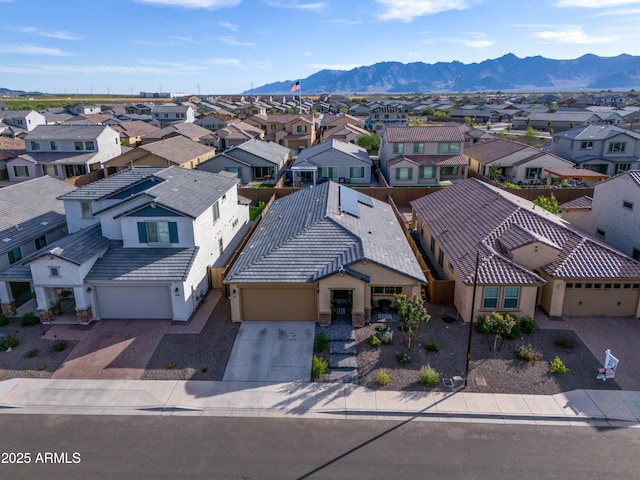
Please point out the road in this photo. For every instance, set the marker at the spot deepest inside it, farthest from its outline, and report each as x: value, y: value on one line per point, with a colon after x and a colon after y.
x: 158, y: 447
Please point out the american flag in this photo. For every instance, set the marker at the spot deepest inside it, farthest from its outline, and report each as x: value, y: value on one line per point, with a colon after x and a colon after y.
x: 295, y: 86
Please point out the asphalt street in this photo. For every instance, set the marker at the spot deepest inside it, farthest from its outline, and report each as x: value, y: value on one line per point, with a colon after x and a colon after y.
x: 159, y: 447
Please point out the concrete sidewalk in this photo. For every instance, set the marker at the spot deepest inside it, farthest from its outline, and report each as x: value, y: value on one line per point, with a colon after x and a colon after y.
x: 602, y: 408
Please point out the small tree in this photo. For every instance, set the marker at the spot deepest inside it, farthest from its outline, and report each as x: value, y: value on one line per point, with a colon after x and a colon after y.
x: 498, y: 326
x: 549, y: 203
x: 531, y: 133
x: 370, y: 141
x: 412, y: 315
x: 468, y: 121
x: 495, y: 170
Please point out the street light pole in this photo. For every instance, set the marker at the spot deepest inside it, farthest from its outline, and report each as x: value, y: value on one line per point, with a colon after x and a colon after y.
x: 473, y: 306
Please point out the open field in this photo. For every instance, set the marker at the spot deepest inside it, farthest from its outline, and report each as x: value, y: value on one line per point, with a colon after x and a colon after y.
x: 42, y: 102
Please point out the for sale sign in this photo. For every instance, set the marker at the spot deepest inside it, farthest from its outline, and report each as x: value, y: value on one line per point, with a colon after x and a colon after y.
x: 610, y: 364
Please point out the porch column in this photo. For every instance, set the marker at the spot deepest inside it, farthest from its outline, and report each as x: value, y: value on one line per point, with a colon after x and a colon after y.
x: 7, y: 302
x: 45, y: 312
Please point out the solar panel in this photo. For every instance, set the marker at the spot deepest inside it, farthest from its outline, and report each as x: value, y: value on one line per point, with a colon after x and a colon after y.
x: 365, y: 199
x: 348, y: 200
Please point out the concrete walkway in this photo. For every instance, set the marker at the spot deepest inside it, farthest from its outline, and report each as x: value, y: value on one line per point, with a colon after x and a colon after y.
x: 600, y: 408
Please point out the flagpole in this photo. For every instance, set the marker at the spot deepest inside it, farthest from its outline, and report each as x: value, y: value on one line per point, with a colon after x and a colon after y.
x: 300, y: 99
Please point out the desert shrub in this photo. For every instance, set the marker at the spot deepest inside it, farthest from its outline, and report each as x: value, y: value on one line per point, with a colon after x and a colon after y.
x: 433, y: 347
x: 374, y: 341
x: 170, y: 366
x: 321, y: 342
x: 556, y: 366
x: 528, y: 354
x: 318, y: 367
x: 10, y: 341
x: 403, y: 356
x: 527, y: 324
x: 382, y: 377
x: 428, y: 376
x: 4, y: 320
x: 28, y: 320
x: 387, y: 337
x: 481, y: 324
x: 515, y: 332
x: 32, y: 353
x: 565, y: 343
x: 381, y: 328
x: 60, y: 345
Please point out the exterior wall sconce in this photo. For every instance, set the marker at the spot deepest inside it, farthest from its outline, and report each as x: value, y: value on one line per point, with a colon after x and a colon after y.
x: 177, y: 291
x: 234, y: 291
x: 88, y: 289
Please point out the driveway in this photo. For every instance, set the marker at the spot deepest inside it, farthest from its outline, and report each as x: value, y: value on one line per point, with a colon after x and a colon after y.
x: 275, y: 351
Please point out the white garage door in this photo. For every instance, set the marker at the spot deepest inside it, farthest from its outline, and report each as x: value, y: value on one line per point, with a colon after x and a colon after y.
x: 134, y: 301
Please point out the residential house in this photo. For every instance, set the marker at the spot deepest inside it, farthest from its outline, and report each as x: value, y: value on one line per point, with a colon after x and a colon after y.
x: 612, y: 214
x: 169, y: 113
x: 526, y: 257
x: 174, y: 151
x: 212, y: 122
x: 290, y: 130
x: 139, y: 109
x: 139, y: 245
x: 131, y: 133
x: 382, y: 116
x: 64, y: 151
x: 82, y: 109
x: 236, y: 134
x: 188, y: 130
x: 556, y: 121
x: 348, y: 133
x: 423, y: 155
x: 251, y: 161
x: 18, y: 123
x: 10, y: 147
x: 249, y: 109
x: 32, y: 218
x: 606, y: 149
x: 333, y: 160
x: 319, y: 249
x: 518, y: 162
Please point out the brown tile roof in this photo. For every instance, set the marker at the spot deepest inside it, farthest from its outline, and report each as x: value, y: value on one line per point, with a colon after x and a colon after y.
x: 11, y: 147
x: 178, y: 149
x: 432, y: 160
x: 472, y: 216
x: 582, y: 203
x: 135, y: 129
x: 489, y: 150
x: 282, y: 118
x: 424, y: 134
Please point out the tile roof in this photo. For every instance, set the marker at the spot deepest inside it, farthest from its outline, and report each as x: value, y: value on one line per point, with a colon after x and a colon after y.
x: 270, y: 151
x: 111, y: 184
x: 473, y: 216
x: 581, y: 203
x: 58, y: 158
x: 66, y: 132
x: 29, y: 209
x: 304, y: 236
x: 324, y: 149
x: 189, y: 130
x: 432, y: 160
x: 177, y: 149
x: 596, y: 132
x: 11, y: 147
x: 634, y: 175
x: 75, y: 248
x: 424, y: 134
x: 136, y: 128
x: 489, y: 150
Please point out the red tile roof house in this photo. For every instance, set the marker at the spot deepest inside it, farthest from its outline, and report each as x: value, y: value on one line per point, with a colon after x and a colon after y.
x: 529, y: 257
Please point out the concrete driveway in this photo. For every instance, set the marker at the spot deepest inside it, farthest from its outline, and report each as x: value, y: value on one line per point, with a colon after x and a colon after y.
x: 275, y: 351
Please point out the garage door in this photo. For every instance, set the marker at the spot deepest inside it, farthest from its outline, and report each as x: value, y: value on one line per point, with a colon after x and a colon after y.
x: 588, y: 300
x: 133, y: 301
x: 283, y: 303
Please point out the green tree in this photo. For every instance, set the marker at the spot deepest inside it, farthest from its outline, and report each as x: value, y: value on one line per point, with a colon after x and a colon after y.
x: 531, y: 133
x: 429, y: 112
x: 370, y: 141
x: 412, y: 315
x: 468, y: 121
x: 495, y: 170
x: 498, y: 326
x: 441, y: 116
x: 549, y: 203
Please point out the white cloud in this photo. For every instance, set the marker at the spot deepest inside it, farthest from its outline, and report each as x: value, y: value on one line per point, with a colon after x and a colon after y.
x: 157, y: 69
x: 208, y: 4
x: 623, y: 13
x: 335, y: 66
x: 594, y: 3
x: 33, y: 50
x: 570, y: 35
x: 307, y: 54
x: 407, y: 10
x: 229, y: 25
x: 477, y: 40
x: 228, y: 62
x: 235, y: 42
x: 296, y: 4
x: 51, y: 34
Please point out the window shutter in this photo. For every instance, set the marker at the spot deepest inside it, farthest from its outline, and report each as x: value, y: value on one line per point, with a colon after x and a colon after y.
x: 173, y: 232
x: 142, y: 232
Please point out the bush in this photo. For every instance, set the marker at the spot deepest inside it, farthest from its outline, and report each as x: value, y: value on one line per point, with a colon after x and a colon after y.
x: 8, y: 342
x: 169, y: 366
x: 556, y: 366
x: 381, y: 328
x: 32, y: 353
x: 382, y: 377
x: 318, y: 367
x: 387, y: 337
x: 28, y: 320
x: 528, y: 354
x: 321, y: 343
x: 565, y: 343
x: 515, y: 332
x: 374, y: 341
x: 481, y: 324
x: 433, y: 347
x: 4, y: 320
x: 428, y: 376
x: 60, y: 345
x: 527, y: 324
x: 403, y: 356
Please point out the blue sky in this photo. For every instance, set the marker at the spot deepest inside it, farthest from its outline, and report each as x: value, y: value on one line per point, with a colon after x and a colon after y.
x: 226, y: 46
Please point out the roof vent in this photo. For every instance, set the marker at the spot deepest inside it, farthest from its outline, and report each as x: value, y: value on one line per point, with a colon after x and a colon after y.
x: 6, y: 240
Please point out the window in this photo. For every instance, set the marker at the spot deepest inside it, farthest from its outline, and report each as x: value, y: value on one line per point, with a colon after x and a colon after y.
x: 224, y: 198
x: 14, y: 255
x: 216, y: 212
x: 627, y: 205
x: 54, y: 146
x: 427, y: 172
x: 569, y: 285
x: 418, y: 148
x: 356, y: 172
x: 78, y: 145
x: 89, y: 146
x: 20, y: 121
x: 86, y: 210
x: 440, y: 257
x: 273, y: 126
x: 586, y: 145
x: 54, y: 271
x: 386, y: 290
x: 490, y: 297
x: 635, y: 254
x: 301, y: 129
x: 511, y: 295
x: 20, y: 171
x: 404, y: 173
x: 220, y: 246
x: 261, y: 172
x: 398, y: 148
x: 158, y: 232
x: 51, y: 170
x: 35, y: 145
x: 617, y: 147
x: 623, y: 167
x: 166, y: 115
x: 432, y: 246
x: 40, y: 242
x: 236, y: 170
x: 448, y: 147
x: 533, y: 173
x: 449, y: 170
x: 328, y: 172
x: 600, y: 233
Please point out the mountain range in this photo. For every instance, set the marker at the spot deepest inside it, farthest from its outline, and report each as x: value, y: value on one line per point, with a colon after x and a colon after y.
x: 507, y: 73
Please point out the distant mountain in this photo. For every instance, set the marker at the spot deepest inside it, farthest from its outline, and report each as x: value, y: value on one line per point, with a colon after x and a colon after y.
x: 507, y: 73
x: 7, y: 92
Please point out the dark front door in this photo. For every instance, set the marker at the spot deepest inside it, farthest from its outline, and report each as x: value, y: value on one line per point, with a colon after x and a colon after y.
x: 342, y: 301
x: 21, y: 292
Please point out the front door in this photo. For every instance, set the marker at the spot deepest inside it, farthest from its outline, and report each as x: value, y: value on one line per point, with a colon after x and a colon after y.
x: 21, y: 292
x: 342, y: 302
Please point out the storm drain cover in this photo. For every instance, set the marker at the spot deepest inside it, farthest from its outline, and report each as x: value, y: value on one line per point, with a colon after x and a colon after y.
x: 481, y: 381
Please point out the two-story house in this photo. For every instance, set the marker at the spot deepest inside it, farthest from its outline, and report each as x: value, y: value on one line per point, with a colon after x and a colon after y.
x: 606, y: 149
x: 235, y: 134
x: 82, y: 109
x: 383, y: 116
x: 290, y: 130
x: 131, y: 133
x: 18, y: 123
x: 170, y: 113
x: 64, y: 151
x: 139, y: 245
x: 423, y: 155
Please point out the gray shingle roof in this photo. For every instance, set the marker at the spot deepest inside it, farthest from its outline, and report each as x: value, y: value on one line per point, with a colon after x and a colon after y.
x: 58, y: 158
x: 333, y: 149
x: 143, y: 264
x: 66, y: 132
x: 596, y: 132
x: 304, y: 236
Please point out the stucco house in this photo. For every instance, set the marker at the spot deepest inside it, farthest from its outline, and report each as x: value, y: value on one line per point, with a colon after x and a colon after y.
x: 318, y: 248
x: 188, y: 130
x: 18, y: 123
x: 169, y: 113
x: 527, y: 257
x: 423, y: 155
x: 613, y: 214
x: 64, y: 151
x: 139, y: 245
x: 235, y: 134
x: 333, y: 160
x: 131, y: 133
x: 295, y: 132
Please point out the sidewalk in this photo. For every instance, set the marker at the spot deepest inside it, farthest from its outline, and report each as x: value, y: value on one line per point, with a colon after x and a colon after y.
x: 601, y: 408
